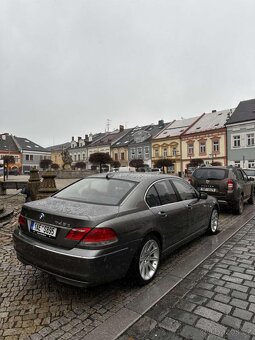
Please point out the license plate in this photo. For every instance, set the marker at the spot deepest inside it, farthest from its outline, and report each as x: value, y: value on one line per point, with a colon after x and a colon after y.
x: 208, y: 189
x: 43, y: 229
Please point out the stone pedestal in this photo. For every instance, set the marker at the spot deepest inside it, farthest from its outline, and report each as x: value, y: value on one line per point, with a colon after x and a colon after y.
x: 33, y: 184
x: 47, y: 186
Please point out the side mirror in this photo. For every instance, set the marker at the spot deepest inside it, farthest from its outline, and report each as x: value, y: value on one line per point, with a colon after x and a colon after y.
x: 203, y: 195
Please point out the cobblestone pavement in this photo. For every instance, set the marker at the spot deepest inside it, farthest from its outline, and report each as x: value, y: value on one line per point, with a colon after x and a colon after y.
x: 35, y: 306
x: 216, y: 301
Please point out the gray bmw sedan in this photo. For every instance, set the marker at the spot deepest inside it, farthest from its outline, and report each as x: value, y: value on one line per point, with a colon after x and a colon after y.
x: 107, y: 226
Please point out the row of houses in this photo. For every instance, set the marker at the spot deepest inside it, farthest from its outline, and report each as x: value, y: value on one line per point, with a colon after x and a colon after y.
x: 226, y: 137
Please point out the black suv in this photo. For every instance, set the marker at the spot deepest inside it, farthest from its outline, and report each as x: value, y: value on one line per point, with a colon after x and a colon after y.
x: 229, y: 185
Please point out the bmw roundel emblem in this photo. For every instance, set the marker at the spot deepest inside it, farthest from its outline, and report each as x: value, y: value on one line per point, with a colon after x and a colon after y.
x: 41, y: 217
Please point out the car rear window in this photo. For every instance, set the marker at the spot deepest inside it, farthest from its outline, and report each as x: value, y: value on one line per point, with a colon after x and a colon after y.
x: 97, y: 191
x: 210, y: 173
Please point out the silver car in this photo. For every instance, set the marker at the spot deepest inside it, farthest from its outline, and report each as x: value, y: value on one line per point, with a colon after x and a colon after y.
x: 107, y: 226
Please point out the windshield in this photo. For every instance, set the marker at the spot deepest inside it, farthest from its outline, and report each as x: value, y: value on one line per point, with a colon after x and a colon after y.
x: 210, y: 173
x: 97, y: 191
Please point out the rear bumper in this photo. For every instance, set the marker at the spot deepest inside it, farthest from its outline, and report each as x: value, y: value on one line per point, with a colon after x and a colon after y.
x: 78, y: 267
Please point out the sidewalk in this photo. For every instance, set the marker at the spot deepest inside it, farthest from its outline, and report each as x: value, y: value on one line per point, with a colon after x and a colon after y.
x: 216, y: 301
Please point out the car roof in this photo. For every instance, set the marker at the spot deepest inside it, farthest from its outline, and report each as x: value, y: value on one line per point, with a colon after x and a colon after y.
x: 134, y: 176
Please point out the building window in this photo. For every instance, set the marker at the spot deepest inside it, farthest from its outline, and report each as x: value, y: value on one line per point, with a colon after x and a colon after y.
x: 216, y: 146
x: 237, y: 164
x: 251, y: 163
x: 83, y: 156
x: 190, y: 149
x: 79, y: 157
x: 174, y: 151
x: 115, y: 156
x: 202, y: 147
x: 139, y: 153
x: 27, y: 157
x: 250, y: 139
x: 146, y: 152
x: 132, y: 153
x: 156, y: 153
x: 75, y: 158
x: 236, y: 141
x: 165, y: 152
x: 122, y: 156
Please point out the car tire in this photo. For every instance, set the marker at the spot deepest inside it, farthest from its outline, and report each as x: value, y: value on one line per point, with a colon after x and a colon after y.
x: 251, y: 199
x: 146, y: 261
x: 214, y: 221
x: 239, y: 206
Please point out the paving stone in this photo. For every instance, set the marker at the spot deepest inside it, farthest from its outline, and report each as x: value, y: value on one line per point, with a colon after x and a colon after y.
x: 242, y: 314
x: 222, y: 290
x: 196, y: 299
x: 211, y: 327
x: 230, y: 321
x: 182, y: 316
x: 239, y: 295
x: 142, y: 327
x: 161, y: 334
x: 235, y: 286
x: 221, y: 297
x: 170, y: 324
x: 236, y: 335
x: 236, y: 269
x: 186, y: 305
x: 222, y: 307
x: 252, y: 307
x: 243, y: 276
x: 249, y: 328
x: 239, y: 303
x: 189, y: 332
x: 208, y: 313
x: 203, y: 292
x: 214, y: 337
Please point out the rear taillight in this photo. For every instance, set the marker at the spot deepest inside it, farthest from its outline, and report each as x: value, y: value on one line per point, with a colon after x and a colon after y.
x: 100, y: 236
x: 230, y: 185
x: 190, y: 181
x: 22, y: 221
x: 77, y: 234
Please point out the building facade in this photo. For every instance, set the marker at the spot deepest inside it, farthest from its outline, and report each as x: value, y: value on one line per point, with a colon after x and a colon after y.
x: 8, y: 147
x: 206, y: 139
x: 241, y: 135
x: 167, y: 143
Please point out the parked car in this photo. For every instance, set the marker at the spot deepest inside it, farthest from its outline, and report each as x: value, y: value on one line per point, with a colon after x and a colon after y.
x: 250, y: 173
x: 230, y: 185
x: 104, y: 227
x: 156, y: 170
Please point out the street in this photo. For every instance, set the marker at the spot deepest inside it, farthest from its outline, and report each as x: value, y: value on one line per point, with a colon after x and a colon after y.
x: 35, y: 305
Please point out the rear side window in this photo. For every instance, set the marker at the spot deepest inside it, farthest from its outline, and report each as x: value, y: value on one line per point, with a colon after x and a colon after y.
x: 210, y: 173
x: 250, y: 172
x: 185, y: 190
x: 161, y: 193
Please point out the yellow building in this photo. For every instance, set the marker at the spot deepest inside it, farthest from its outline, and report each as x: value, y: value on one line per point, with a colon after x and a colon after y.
x: 167, y: 144
x: 206, y: 140
x: 56, y: 153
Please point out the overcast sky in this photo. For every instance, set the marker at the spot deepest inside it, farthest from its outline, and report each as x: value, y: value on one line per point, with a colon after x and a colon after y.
x: 66, y: 66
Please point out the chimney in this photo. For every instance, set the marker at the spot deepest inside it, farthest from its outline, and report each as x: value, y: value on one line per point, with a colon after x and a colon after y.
x: 90, y: 137
x: 86, y: 137
x: 72, y: 139
x: 79, y: 138
x: 121, y: 128
x: 161, y: 122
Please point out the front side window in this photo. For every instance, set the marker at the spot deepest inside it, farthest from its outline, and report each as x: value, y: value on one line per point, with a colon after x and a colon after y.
x: 139, y: 153
x: 185, y: 190
x: 152, y: 197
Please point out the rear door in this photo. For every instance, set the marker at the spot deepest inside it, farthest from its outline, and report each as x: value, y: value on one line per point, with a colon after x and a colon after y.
x: 244, y: 182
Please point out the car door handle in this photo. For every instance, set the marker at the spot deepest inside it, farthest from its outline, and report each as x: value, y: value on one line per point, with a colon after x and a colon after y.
x: 162, y: 214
